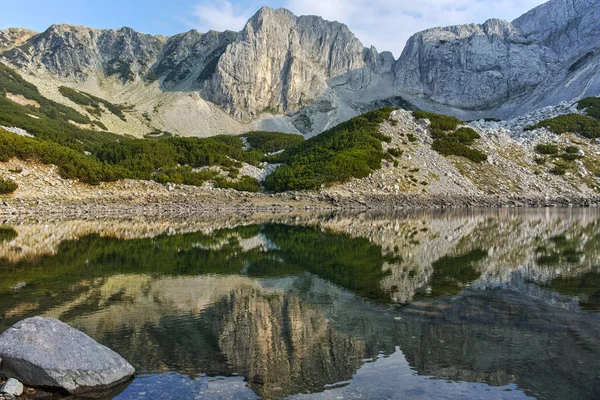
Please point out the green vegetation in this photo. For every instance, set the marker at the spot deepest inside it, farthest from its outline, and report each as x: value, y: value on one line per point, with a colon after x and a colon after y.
x: 547, y: 149
x: 450, y: 141
x: 585, y: 125
x: 458, y: 143
x: 586, y: 287
x: 591, y: 105
x: 71, y: 163
x: 574, y: 123
x: 440, y: 123
x: 59, y: 142
x: 269, y: 142
x: 7, y: 186
x: 395, y: 152
x: 351, y: 149
x: 452, y: 274
x: 92, y: 103
x: 559, y: 250
x: 352, y: 263
x: 50, y: 121
x: 7, y: 234
x: 245, y: 184
x: 184, y: 175
x: 559, y: 168
x: 569, y: 153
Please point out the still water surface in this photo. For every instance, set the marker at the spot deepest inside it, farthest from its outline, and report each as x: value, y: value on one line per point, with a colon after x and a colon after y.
x: 447, y: 305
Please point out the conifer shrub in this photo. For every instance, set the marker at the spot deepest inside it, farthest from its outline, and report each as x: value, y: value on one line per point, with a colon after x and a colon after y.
x: 7, y: 186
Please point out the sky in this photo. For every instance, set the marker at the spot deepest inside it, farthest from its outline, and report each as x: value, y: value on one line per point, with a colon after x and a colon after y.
x: 386, y: 24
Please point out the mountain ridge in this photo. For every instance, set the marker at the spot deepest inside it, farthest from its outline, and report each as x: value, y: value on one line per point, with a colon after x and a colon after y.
x: 303, y: 74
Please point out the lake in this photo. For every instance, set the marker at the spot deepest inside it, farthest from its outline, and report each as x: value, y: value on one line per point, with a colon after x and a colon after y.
x: 496, y: 304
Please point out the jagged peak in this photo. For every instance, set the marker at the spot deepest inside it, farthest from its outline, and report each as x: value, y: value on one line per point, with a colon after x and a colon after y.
x: 19, y: 31
x: 266, y: 13
x: 60, y: 29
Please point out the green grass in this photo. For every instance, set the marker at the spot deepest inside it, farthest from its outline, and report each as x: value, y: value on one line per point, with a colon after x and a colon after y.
x: 7, y: 186
x: 350, y: 150
x: 269, y: 142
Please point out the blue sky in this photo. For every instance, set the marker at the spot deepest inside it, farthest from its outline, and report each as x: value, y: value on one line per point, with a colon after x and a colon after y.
x: 387, y: 24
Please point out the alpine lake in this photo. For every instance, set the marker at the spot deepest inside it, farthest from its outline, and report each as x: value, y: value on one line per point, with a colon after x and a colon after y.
x: 465, y: 304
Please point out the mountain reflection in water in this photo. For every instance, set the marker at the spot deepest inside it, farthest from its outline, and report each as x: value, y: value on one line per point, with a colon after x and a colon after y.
x: 489, y: 304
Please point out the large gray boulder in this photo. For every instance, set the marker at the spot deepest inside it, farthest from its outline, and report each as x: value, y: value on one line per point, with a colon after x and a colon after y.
x: 47, y: 352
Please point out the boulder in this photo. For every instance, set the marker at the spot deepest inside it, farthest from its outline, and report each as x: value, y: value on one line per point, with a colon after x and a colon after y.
x: 47, y: 352
x: 12, y: 387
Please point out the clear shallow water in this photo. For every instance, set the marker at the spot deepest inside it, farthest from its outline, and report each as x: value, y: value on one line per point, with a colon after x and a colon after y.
x: 489, y: 305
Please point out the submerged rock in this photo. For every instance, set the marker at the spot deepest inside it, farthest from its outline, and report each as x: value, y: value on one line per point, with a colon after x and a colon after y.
x: 47, y: 352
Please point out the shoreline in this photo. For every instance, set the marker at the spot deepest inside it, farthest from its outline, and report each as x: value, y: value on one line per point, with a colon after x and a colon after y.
x: 239, y: 203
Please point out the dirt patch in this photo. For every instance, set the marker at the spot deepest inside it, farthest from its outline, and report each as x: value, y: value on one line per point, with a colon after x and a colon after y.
x: 20, y: 99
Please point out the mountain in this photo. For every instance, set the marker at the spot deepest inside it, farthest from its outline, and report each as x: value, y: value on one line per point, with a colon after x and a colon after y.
x: 305, y: 74
x: 550, y: 54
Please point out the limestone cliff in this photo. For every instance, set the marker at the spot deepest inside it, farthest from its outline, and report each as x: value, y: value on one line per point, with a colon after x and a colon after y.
x: 281, y: 62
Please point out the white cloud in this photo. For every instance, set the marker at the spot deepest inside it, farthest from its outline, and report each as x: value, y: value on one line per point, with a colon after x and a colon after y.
x: 219, y: 15
x: 386, y: 24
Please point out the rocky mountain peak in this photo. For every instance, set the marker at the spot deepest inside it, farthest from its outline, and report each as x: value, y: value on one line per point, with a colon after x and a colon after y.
x: 281, y: 62
x: 13, y: 37
x: 568, y: 27
x: 78, y: 52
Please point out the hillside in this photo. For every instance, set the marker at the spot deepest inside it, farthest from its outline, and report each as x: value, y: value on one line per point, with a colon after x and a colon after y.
x: 62, y: 160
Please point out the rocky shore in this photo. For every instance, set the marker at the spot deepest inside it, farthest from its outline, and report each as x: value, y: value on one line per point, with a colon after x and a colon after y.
x: 240, y: 205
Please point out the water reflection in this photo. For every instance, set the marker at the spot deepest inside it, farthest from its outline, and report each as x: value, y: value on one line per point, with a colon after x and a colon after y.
x: 498, y: 304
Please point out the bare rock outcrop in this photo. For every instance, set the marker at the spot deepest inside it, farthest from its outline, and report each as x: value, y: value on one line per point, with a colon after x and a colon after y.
x: 281, y: 62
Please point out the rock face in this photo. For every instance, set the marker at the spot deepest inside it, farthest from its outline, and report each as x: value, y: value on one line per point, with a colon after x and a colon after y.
x: 317, y: 73
x: 46, y: 352
x: 12, y: 37
x: 282, y: 62
x: 546, y: 56
x: 191, y: 58
x: 472, y: 66
x: 78, y: 52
